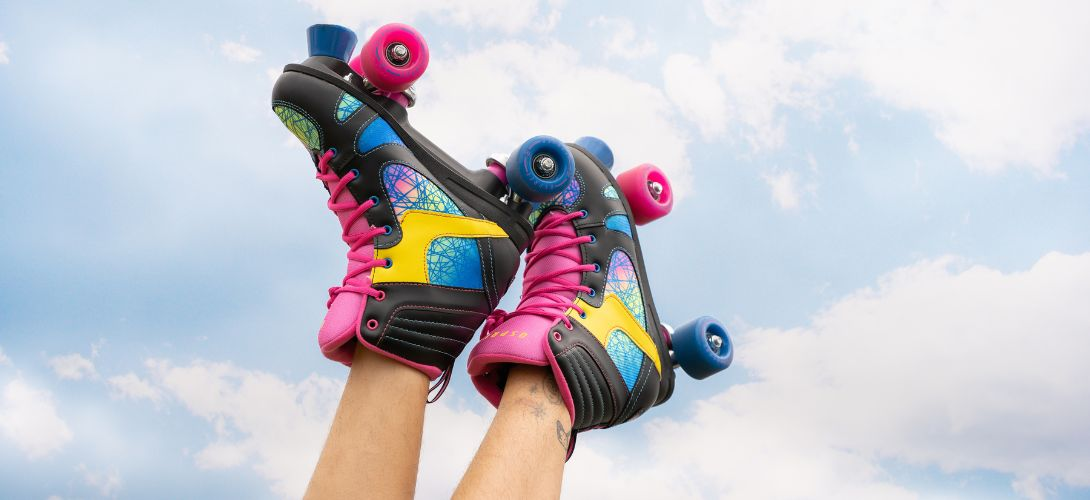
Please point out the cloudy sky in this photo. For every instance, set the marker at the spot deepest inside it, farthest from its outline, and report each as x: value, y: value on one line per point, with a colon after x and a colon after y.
x: 888, y: 202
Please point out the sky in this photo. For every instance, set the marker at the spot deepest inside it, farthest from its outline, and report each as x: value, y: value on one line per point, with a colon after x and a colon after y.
x: 887, y: 202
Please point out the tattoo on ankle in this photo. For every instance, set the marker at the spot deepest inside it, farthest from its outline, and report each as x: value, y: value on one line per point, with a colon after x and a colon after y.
x: 538, y: 410
x: 562, y: 436
x: 551, y: 392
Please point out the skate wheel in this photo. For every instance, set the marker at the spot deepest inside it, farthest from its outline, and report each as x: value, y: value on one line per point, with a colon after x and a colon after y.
x: 702, y: 347
x: 647, y: 191
x: 540, y: 168
x: 330, y: 40
x: 598, y: 148
x: 394, y: 57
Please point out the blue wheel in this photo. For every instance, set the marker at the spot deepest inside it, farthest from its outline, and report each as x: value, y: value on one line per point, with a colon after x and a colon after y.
x: 598, y: 148
x: 702, y: 347
x: 331, y: 40
x: 540, y: 168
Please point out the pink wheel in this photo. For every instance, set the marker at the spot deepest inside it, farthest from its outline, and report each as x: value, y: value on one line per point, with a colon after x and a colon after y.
x: 357, y: 65
x: 394, y: 57
x: 647, y: 191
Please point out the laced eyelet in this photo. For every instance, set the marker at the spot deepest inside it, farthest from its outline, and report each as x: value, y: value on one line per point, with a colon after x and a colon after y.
x: 375, y: 201
x: 389, y: 263
x: 355, y: 173
x: 388, y: 231
x: 557, y: 336
x: 591, y: 293
x: 584, y: 214
x: 593, y: 239
x: 372, y: 324
x: 332, y: 150
x: 381, y: 296
x: 583, y: 315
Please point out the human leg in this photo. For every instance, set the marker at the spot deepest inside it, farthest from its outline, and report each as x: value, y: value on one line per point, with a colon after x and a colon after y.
x: 529, y: 434
x: 373, y: 448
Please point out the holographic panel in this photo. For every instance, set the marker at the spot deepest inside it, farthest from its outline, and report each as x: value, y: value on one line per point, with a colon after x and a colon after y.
x: 610, y: 192
x: 566, y: 199
x: 346, y: 107
x: 408, y: 190
x: 619, y: 223
x: 622, y: 282
x: 626, y: 355
x: 300, y: 125
x: 378, y: 133
x: 455, y: 262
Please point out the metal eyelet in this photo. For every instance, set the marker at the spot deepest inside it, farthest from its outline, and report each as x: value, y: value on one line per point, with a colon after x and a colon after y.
x: 597, y: 267
x: 583, y: 315
x: 375, y: 201
x: 332, y: 150
x: 389, y: 263
x: 593, y: 239
x: 372, y: 324
x: 381, y: 296
x: 557, y: 336
x: 388, y: 231
x: 585, y: 214
x: 355, y: 173
x: 591, y: 293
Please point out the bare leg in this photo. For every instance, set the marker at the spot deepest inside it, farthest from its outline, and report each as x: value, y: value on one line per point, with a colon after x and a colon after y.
x: 373, y: 448
x: 522, y: 455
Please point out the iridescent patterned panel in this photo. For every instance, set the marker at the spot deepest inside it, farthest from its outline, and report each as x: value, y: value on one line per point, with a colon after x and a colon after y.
x: 346, y: 107
x: 610, y: 192
x: 622, y: 281
x: 300, y: 125
x: 408, y: 190
x: 455, y: 262
x: 626, y: 355
x: 567, y: 199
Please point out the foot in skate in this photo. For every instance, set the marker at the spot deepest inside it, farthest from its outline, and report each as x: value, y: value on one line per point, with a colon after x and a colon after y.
x: 587, y: 310
x: 433, y: 246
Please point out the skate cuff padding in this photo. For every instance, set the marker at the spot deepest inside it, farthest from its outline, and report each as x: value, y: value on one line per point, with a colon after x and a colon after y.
x: 490, y: 360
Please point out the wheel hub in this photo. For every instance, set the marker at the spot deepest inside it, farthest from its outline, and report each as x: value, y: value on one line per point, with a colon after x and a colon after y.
x: 544, y: 166
x: 715, y: 342
x: 656, y: 190
x: 397, y: 54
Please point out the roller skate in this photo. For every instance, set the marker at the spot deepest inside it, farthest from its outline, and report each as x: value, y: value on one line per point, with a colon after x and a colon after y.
x: 586, y: 308
x: 433, y: 246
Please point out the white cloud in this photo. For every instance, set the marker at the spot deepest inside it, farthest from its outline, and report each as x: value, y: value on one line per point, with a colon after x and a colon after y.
x: 4, y: 360
x: 132, y: 386
x: 239, y: 52
x: 545, y: 90
x: 72, y: 366
x: 502, y: 15
x: 785, y: 188
x: 259, y: 419
x: 624, y: 41
x: 958, y: 367
x: 1000, y: 81
x: 942, y: 364
x: 107, y: 483
x: 695, y: 89
x: 29, y: 419
x: 4, y: 53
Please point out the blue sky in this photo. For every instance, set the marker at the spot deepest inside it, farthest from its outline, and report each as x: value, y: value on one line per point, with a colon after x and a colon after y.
x: 887, y: 203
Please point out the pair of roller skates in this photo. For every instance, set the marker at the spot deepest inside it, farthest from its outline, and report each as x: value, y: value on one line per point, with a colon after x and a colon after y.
x: 433, y: 246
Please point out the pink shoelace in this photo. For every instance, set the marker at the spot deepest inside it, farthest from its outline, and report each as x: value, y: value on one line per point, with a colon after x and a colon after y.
x: 349, y: 212
x: 548, y: 287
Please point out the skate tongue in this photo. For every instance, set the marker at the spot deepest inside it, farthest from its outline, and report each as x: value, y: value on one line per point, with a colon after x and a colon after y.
x: 342, y: 321
x: 563, y: 258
